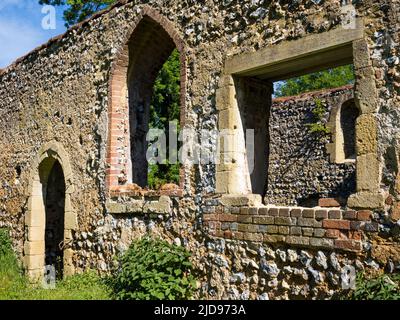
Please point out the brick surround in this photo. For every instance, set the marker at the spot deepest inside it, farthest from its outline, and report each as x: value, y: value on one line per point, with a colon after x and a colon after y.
x: 325, y: 228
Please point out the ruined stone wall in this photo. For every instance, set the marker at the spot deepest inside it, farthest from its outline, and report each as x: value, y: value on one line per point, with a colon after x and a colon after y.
x: 61, y: 92
x: 300, y: 168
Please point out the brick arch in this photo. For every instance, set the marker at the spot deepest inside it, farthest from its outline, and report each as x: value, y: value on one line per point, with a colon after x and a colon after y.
x: 35, y: 219
x: 166, y: 38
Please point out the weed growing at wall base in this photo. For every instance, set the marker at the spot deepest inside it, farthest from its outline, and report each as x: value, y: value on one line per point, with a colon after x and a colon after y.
x: 154, y: 270
x: 383, y: 287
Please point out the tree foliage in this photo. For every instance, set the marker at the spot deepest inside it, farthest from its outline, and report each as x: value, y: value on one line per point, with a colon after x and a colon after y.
x: 78, y: 10
x: 166, y: 95
x: 165, y: 108
x: 331, y: 78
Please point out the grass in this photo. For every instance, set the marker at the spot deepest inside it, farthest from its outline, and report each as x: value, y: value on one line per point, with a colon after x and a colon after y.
x: 14, y: 285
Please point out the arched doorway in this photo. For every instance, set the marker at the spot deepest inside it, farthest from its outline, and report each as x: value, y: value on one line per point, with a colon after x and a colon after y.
x: 50, y: 218
x: 53, y: 185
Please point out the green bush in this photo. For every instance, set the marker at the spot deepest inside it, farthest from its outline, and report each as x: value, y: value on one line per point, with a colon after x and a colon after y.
x: 383, y: 287
x: 154, y: 270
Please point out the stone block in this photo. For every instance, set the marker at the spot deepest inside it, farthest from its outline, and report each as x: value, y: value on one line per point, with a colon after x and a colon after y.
x: 366, y: 134
x: 256, y: 237
x: 33, y: 262
x: 361, y: 56
x: 273, y: 212
x: 364, y: 215
x: 247, y: 227
x: 296, y: 213
x: 365, y: 90
x: 135, y: 206
x: 227, y: 217
x: 36, y: 233
x: 71, y: 220
x: 229, y: 119
x: 114, y: 207
x: 350, y: 215
x: 162, y: 206
x: 250, y: 200
x: 263, y: 211
x: 35, y: 275
x: 273, y: 238
x: 34, y: 248
x: 69, y: 270
x: 368, y: 173
x: 347, y: 244
x: 302, y: 241
x: 245, y: 219
x: 366, y: 200
x: 328, y: 202
x: 322, y: 243
x: 225, y: 97
x: 284, y: 212
x: 332, y: 233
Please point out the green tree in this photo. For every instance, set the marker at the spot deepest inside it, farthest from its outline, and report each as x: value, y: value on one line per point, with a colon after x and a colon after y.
x: 78, y: 10
x: 165, y: 107
x: 331, y: 78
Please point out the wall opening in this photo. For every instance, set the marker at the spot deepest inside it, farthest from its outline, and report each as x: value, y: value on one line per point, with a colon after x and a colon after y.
x: 348, y: 116
x: 254, y: 103
x: 272, y: 130
x: 153, y: 61
x: 338, y: 49
x: 50, y: 219
x: 53, y: 184
x: 148, y: 86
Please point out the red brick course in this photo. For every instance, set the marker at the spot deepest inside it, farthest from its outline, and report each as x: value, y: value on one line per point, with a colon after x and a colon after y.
x: 319, y: 228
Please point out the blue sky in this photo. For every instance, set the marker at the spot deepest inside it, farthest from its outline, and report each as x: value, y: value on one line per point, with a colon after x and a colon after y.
x: 21, y: 28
